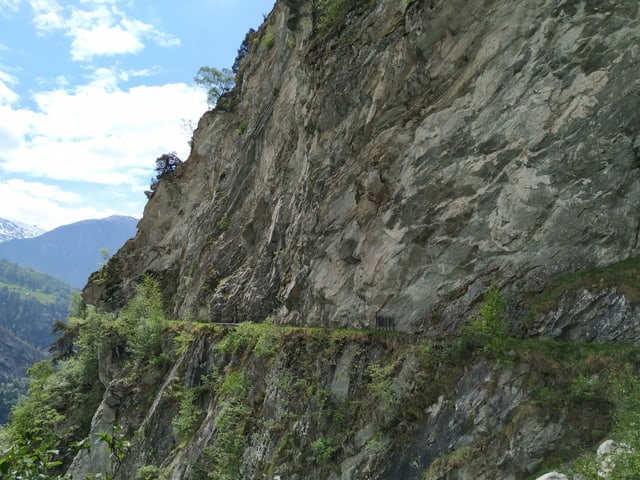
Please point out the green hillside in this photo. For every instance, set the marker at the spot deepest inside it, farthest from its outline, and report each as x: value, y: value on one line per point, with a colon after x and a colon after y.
x: 30, y: 302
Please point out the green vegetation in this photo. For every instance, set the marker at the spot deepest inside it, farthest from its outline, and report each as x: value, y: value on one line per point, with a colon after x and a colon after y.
x: 222, y: 458
x: 29, y: 457
x: 10, y: 393
x: 224, y: 224
x: 327, y: 16
x: 488, y: 329
x: 141, y: 323
x: 30, y: 302
x: 331, y: 13
x: 215, y: 82
x: 188, y: 415
x: 151, y: 472
x: 445, y: 464
x: 624, y: 461
x: 260, y: 339
x: 242, y: 127
x: 324, y: 451
x: 62, y: 398
x: 268, y: 39
x: 382, y: 393
x: 118, y: 446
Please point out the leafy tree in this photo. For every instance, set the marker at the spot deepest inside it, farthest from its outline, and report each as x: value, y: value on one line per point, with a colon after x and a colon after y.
x: 166, y: 164
x: 488, y: 330
x: 63, y: 347
x: 243, y: 50
x: 216, y: 82
x: 142, y: 321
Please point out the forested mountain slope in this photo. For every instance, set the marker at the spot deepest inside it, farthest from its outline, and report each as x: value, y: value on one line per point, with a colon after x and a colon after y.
x: 30, y: 302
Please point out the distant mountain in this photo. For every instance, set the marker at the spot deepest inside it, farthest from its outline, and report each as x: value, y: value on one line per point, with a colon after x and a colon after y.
x: 71, y: 252
x: 12, y: 230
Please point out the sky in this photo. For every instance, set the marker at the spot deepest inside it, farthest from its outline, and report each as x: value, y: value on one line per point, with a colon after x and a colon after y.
x: 93, y: 91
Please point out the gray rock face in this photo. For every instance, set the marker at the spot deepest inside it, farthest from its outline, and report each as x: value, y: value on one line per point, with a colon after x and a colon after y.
x: 552, y: 476
x: 604, y: 316
x: 399, y: 165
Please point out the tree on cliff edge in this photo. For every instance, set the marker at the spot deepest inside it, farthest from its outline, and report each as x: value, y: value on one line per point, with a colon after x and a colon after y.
x: 166, y: 164
x: 216, y: 82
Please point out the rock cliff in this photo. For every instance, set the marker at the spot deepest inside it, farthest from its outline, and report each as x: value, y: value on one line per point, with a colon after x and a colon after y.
x: 379, y: 164
x: 398, y: 161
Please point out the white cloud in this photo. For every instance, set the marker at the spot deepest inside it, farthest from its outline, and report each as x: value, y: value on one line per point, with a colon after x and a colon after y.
x: 47, y: 15
x: 7, y: 6
x: 7, y: 95
x: 99, y: 30
x: 96, y: 138
x: 46, y: 206
x: 104, y: 40
x: 98, y: 132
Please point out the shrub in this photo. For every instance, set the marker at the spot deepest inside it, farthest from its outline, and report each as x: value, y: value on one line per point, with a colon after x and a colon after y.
x: 226, y: 452
x: 381, y: 391
x: 186, y: 420
x: 268, y: 40
x: 332, y: 12
x: 242, y: 127
x: 118, y: 447
x: 323, y: 451
x: 142, y: 321
x: 224, y: 224
x: 488, y: 329
x: 150, y: 472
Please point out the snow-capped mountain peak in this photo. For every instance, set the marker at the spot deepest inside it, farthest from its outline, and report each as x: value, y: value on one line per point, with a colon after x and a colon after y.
x: 11, y: 229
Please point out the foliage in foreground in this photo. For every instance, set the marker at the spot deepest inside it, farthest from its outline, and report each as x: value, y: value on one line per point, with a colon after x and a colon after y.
x: 49, y: 423
x: 623, y: 463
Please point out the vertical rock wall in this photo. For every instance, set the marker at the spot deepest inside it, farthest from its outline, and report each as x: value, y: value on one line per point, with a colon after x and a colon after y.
x: 397, y: 162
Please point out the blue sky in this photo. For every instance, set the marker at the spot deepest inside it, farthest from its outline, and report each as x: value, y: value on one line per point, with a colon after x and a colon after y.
x: 93, y: 91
